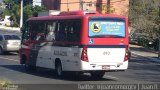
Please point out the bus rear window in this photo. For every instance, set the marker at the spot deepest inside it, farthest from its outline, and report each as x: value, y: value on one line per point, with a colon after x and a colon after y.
x: 106, y: 28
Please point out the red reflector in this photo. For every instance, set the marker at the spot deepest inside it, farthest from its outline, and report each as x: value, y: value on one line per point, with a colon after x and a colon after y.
x: 126, y: 54
x: 84, y: 56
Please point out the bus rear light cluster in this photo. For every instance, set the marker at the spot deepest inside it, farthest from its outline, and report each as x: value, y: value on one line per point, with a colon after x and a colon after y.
x: 84, y: 55
x: 126, y: 54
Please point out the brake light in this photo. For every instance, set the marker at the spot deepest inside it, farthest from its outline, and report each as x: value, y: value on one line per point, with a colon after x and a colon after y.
x: 126, y: 54
x: 84, y: 56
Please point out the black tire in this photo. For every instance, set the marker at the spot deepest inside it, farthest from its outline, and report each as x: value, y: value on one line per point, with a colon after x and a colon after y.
x: 129, y: 55
x: 29, y: 68
x: 97, y: 74
x: 22, y: 60
x: 76, y: 75
x: 59, y: 71
x: 1, y: 51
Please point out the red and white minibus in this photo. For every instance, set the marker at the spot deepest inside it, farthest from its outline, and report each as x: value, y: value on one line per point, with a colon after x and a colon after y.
x: 76, y: 41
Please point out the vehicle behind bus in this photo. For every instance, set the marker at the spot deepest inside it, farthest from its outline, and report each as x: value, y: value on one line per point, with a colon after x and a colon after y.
x: 77, y: 41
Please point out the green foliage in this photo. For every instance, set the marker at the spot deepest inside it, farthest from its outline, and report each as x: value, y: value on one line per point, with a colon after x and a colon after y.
x: 144, y: 16
x: 9, y: 1
x: 28, y: 12
x: 14, y: 11
x: 37, y: 9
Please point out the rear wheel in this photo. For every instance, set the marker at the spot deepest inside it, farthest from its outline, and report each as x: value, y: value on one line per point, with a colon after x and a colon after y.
x: 97, y: 74
x: 59, y: 71
x: 29, y: 67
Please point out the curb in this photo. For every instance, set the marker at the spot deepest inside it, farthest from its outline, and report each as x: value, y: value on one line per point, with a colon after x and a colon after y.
x: 155, y: 60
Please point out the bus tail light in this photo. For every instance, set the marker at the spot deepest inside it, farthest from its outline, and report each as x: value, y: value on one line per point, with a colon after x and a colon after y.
x: 84, y: 56
x: 126, y: 54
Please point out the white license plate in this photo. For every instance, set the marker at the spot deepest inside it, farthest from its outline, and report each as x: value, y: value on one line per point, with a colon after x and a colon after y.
x: 15, y: 43
x: 105, y: 67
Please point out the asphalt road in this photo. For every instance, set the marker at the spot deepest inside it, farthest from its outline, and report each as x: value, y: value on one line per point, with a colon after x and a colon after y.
x: 140, y: 71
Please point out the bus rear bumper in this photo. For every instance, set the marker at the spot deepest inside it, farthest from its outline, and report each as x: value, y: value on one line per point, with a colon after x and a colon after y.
x: 107, y: 67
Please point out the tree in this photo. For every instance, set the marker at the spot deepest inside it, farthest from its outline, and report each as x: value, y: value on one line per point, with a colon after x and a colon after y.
x: 14, y: 10
x: 144, y: 16
x: 37, y: 9
x: 28, y: 12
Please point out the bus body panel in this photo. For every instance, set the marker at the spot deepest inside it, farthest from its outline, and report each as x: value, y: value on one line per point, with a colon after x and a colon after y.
x: 69, y: 57
x: 106, y: 55
x: 104, y: 66
x: 45, y: 57
x: 72, y: 62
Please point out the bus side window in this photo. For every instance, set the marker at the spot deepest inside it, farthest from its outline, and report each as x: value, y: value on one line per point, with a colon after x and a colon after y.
x: 40, y: 37
x: 56, y: 31
x: 77, y: 28
x: 38, y: 31
x: 74, y: 31
x: 71, y: 35
x: 61, y: 33
x: 33, y: 32
x: 50, y: 36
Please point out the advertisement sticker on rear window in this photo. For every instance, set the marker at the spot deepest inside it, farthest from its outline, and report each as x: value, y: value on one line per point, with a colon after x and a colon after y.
x: 105, y: 28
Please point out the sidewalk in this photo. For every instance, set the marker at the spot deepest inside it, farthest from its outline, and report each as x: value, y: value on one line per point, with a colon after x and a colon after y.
x: 143, y: 52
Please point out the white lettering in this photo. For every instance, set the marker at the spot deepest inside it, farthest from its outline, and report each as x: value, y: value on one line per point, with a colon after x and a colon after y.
x: 85, y: 86
x: 149, y: 87
x: 61, y: 53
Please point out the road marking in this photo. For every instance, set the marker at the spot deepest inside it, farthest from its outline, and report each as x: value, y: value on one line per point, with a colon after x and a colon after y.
x: 9, y: 59
x: 110, y: 77
x: 105, y: 76
x: 146, y: 55
x: 140, y: 63
x: 134, y: 53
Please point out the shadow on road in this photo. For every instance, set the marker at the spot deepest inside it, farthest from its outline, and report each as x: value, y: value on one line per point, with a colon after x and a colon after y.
x: 139, y: 59
x: 143, y: 69
x: 51, y: 74
x: 141, y: 49
x: 9, y: 54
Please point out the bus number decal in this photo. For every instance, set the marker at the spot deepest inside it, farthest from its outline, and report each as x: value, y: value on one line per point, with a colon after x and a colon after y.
x: 61, y: 53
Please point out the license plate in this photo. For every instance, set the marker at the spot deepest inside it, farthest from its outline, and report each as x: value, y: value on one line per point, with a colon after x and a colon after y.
x: 105, y: 67
x: 15, y: 43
